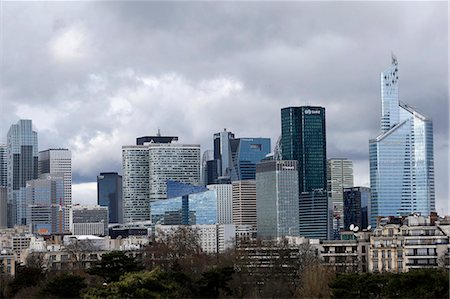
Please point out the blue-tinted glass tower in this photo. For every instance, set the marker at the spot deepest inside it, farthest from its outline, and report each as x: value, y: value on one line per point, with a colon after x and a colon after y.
x: 109, y: 194
x: 246, y: 153
x: 401, y: 156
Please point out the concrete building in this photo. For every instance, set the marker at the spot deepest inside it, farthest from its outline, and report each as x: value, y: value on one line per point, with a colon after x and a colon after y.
x: 22, y: 160
x: 59, y: 162
x: 339, y: 176
x: 277, y: 199
x: 244, y: 202
x: 89, y: 220
x: 224, y: 196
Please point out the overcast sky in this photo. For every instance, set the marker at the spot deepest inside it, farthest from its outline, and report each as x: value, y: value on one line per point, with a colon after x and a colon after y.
x: 93, y: 76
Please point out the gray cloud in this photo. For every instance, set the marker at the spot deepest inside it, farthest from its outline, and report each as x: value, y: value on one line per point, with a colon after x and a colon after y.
x: 95, y: 75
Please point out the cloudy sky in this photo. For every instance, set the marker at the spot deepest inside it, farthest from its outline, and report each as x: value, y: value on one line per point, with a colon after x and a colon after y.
x: 93, y: 76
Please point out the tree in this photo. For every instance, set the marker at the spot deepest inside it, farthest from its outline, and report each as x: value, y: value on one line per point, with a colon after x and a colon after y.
x: 113, y: 265
x: 63, y: 286
x: 215, y: 281
x: 26, y: 276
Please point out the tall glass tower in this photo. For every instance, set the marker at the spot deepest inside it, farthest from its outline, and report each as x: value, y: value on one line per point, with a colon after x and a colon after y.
x: 22, y: 144
x: 401, y: 156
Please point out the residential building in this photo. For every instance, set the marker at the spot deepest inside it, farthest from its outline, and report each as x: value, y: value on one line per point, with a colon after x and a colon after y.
x: 357, y: 207
x: 89, y: 220
x: 244, y: 202
x: 303, y: 138
x: 339, y: 176
x: 22, y: 160
x: 224, y: 196
x: 277, y: 199
x: 59, y: 162
x: 401, y: 156
x: 109, y: 194
x: 45, y: 208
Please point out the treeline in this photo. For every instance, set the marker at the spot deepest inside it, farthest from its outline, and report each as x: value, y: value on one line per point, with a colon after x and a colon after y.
x: 175, y: 267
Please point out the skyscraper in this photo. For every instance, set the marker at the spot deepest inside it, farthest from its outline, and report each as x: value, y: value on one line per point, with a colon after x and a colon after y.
x: 401, y: 156
x: 356, y: 207
x: 224, y: 202
x: 109, y: 194
x: 59, y: 162
x: 244, y: 202
x: 3, y: 165
x: 277, y: 199
x: 22, y: 143
x: 340, y: 176
x: 223, y: 155
x: 303, y: 138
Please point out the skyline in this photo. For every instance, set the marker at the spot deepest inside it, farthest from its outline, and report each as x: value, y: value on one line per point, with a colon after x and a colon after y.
x: 192, y: 69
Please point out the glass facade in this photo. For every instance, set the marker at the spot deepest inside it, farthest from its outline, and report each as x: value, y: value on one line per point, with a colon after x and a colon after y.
x: 401, y: 157
x: 246, y: 153
x: 356, y: 207
x: 109, y: 194
x: 22, y: 161
x: 197, y: 208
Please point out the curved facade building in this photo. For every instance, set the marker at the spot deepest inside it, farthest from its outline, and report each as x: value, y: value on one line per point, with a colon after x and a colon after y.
x: 401, y: 157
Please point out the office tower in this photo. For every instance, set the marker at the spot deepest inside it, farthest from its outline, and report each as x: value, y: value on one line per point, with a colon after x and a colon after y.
x: 22, y: 143
x: 135, y: 183
x: 356, y: 207
x: 59, y: 162
x: 244, y: 202
x: 277, y: 199
x: 223, y: 155
x: 3, y: 207
x: 246, y: 153
x: 45, y: 204
x: 401, y: 156
x: 340, y: 176
x: 3, y: 165
x: 224, y: 202
x: 209, y: 168
x: 171, y: 161
x: 303, y: 138
x: 155, y: 139
x: 109, y: 194
x: 89, y: 220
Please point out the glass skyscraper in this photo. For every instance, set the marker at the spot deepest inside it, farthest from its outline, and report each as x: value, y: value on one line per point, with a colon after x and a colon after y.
x: 401, y: 156
x: 303, y: 138
x: 109, y: 194
x: 22, y: 159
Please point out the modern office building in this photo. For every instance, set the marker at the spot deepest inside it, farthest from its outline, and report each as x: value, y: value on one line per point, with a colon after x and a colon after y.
x: 277, y: 199
x: 22, y: 160
x: 223, y: 155
x: 401, y: 156
x: 59, y: 162
x: 3, y: 207
x: 3, y: 165
x: 155, y: 139
x: 109, y: 194
x: 224, y: 195
x: 89, y: 220
x: 357, y: 207
x: 172, y: 161
x: 339, y: 176
x: 303, y: 138
x: 209, y: 168
x: 244, y: 202
x: 45, y: 204
x: 135, y: 183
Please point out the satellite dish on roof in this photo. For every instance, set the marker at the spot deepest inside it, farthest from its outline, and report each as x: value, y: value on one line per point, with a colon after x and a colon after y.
x: 356, y: 229
x: 352, y: 226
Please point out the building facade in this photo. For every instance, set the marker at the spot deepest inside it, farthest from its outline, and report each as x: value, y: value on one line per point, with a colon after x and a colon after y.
x: 3, y: 207
x: 109, y: 194
x: 59, y: 162
x: 22, y: 161
x: 224, y: 193
x: 244, y: 202
x: 3, y: 165
x: 401, y: 156
x: 89, y: 220
x: 277, y: 199
x: 357, y: 207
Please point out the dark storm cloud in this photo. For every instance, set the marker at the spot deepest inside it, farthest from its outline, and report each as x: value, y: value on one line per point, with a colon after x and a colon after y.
x: 95, y: 75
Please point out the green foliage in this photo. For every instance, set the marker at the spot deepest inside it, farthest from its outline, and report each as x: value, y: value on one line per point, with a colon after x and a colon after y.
x: 25, y: 277
x: 214, y: 281
x: 63, y: 286
x: 423, y: 283
x: 113, y: 265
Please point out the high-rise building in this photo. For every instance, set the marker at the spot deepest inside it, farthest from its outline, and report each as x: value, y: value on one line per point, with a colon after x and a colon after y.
x: 172, y: 161
x: 223, y: 155
x: 59, y: 162
x: 45, y: 204
x: 401, y: 156
x: 3, y: 165
x: 340, y: 176
x: 209, y: 168
x: 135, y: 183
x: 224, y: 202
x: 244, y: 202
x: 89, y: 220
x: 22, y: 160
x: 303, y: 138
x: 3, y: 207
x: 109, y: 194
x: 356, y: 207
x: 246, y: 153
x: 277, y: 199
